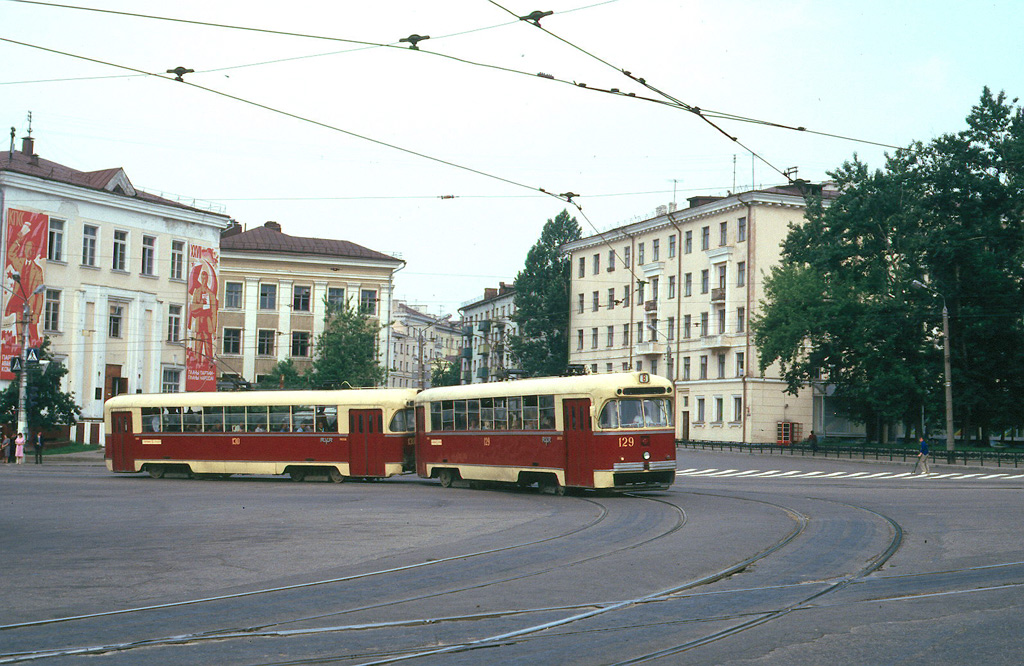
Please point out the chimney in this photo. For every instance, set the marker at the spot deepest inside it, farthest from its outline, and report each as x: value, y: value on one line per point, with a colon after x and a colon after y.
x: 28, y: 145
x: 232, y: 230
x: 273, y: 226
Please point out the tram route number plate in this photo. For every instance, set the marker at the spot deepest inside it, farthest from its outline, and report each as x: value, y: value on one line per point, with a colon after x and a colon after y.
x: 151, y: 442
x: 435, y: 442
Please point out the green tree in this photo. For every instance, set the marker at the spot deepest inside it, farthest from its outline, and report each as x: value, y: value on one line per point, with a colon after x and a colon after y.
x: 541, y: 345
x: 48, y: 406
x: 840, y: 309
x: 346, y: 352
x: 445, y: 373
x: 284, y: 375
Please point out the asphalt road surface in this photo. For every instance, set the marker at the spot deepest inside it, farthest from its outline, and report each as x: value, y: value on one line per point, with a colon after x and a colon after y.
x: 748, y: 559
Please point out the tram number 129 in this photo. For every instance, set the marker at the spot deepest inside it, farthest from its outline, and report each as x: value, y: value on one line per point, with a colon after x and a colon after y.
x: 625, y: 442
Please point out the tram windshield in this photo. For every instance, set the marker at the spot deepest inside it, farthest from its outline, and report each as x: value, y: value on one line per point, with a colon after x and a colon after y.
x: 636, y: 413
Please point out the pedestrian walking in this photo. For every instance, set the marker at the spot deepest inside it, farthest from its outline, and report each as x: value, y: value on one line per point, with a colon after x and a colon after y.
x: 19, y: 449
x: 10, y: 449
x: 812, y: 439
x: 4, y: 448
x: 922, y: 458
x: 39, y: 448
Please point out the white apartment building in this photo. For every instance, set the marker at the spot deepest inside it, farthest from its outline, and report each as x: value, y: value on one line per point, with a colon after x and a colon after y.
x: 418, y: 342
x: 110, y: 264
x: 674, y: 295
x: 486, y: 327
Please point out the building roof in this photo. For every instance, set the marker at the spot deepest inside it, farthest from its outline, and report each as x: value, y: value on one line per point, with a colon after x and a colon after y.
x: 112, y: 181
x: 269, y: 238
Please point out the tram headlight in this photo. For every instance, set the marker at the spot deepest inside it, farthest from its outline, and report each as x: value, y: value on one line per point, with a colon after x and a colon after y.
x: 647, y: 455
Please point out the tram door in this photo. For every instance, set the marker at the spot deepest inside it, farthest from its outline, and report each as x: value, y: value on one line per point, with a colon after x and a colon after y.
x: 366, y: 442
x: 579, y: 466
x: 119, y: 439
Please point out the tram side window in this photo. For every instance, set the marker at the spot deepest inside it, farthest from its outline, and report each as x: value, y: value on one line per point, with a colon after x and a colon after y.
x: 256, y: 418
x: 171, y: 419
x: 531, y: 412
x: 473, y: 414
x: 213, y: 419
x: 500, y: 413
x: 234, y: 418
x: 150, y: 419
x: 547, y: 412
x: 435, y: 416
x: 487, y: 413
x: 460, y: 414
x: 515, y: 413
x: 280, y: 418
x: 192, y: 421
x: 403, y: 420
x: 302, y: 418
x: 326, y: 418
x: 448, y: 415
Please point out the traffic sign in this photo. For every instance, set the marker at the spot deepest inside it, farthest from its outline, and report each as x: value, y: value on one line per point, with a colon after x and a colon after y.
x: 15, y: 364
x: 32, y: 355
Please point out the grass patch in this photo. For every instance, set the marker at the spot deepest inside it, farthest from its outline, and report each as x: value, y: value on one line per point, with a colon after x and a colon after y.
x: 65, y: 447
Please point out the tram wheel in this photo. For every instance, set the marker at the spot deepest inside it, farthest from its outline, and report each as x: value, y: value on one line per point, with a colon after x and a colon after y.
x: 297, y: 474
x: 156, y: 471
x: 552, y: 487
x: 446, y: 477
x: 336, y: 476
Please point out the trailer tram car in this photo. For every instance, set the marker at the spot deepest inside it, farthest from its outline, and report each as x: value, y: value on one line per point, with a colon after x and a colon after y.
x: 365, y: 433
x: 611, y: 431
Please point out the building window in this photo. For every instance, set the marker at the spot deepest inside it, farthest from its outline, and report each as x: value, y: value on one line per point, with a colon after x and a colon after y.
x: 655, y: 249
x: 120, y: 257
x: 740, y: 369
x: 737, y: 409
x: 55, y: 249
x: 688, y: 284
x: 705, y: 238
x: 583, y: 267
x: 741, y: 230
x: 721, y: 366
x: 625, y: 295
x: 703, y: 367
x: 704, y: 279
x: 704, y: 324
x: 232, y: 341
x: 654, y: 366
x: 368, y: 302
x: 593, y: 338
x: 741, y: 274
x: 596, y: 297
x: 687, y: 323
x: 625, y: 334
x: 672, y: 246
x: 610, y: 342
x: 608, y: 367
x: 233, y: 295
x: 115, y: 321
x: 722, y: 273
x: 719, y: 410
x: 265, y: 342
x: 721, y: 320
x: 741, y: 314
x: 174, y: 323
x: 688, y: 242
x: 723, y: 233
x: 639, y: 366
x: 177, y: 260
x: 654, y: 289
x: 671, y: 286
x: 686, y: 368
x: 579, y: 306
x: 611, y: 298
x: 639, y: 332
x: 268, y: 296
x: 89, y: 239
x: 640, y: 288
x: 700, y: 410
x: 171, y: 381
x: 301, y: 297
x: 335, y: 298
x: 611, y: 260
x: 300, y: 343
x: 640, y: 254
x: 597, y: 264
x: 51, y: 310
x: 670, y: 334
x: 148, y: 255
x: 579, y: 339
x: 625, y: 256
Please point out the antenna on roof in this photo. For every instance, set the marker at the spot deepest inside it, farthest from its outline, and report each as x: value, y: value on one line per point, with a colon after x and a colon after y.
x: 30, y: 123
x: 10, y: 155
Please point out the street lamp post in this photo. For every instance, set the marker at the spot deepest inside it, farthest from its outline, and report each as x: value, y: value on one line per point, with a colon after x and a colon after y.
x: 26, y: 318
x: 947, y: 365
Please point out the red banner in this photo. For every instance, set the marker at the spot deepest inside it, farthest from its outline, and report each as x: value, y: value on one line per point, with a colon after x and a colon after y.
x: 201, y: 320
x: 26, y: 247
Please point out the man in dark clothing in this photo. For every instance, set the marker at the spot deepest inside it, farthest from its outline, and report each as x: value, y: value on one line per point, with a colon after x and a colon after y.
x: 922, y: 457
x: 39, y: 448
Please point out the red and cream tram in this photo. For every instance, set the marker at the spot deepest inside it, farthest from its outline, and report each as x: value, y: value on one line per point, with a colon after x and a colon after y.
x: 610, y: 431
x: 338, y: 434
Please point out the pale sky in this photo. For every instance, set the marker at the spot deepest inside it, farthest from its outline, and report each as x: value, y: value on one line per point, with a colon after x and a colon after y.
x: 886, y: 72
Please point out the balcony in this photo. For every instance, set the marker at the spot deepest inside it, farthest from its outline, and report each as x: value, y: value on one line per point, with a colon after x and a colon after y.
x: 651, y: 306
x: 483, y: 349
x: 484, y: 326
x: 717, y: 341
x: 651, y: 348
x: 718, y: 294
x: 482, y: 372
x: 467, y: 353
x: 467, y: 330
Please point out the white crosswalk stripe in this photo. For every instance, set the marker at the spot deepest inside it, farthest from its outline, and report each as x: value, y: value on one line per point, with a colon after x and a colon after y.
x: 714, y: 472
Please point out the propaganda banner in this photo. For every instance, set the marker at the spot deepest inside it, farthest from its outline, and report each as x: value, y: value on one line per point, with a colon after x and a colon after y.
x: 26, y: 247
x: 201, y: 320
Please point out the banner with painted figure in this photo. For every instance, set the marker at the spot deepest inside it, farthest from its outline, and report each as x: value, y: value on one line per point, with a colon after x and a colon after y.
x: 201, y: 320
x: 26, y: 246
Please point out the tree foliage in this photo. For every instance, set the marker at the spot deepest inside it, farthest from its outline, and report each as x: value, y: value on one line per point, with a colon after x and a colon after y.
x: 345, y: 354
x: 445, y: 373
x: 541, y: 345
x: 284, y: 375
x: 840, y: 307
x: 48, y: 406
